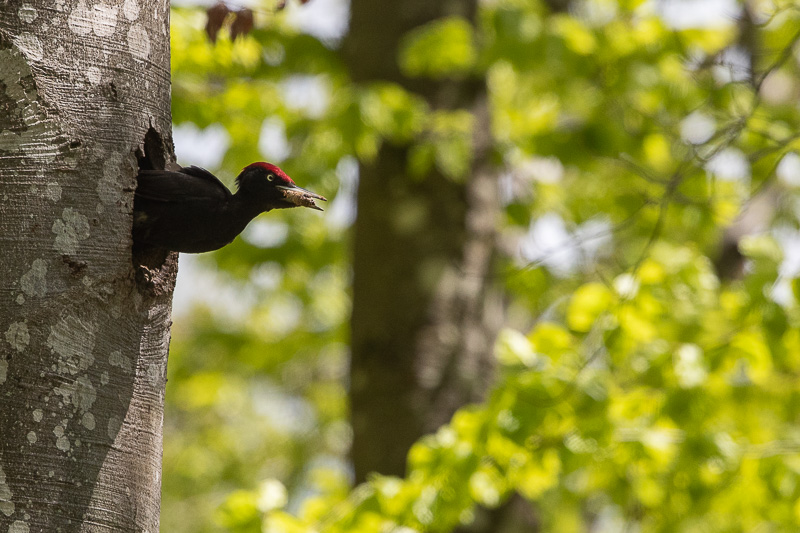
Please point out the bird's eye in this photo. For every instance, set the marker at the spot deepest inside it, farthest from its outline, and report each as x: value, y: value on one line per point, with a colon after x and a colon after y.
x: 270, y: 177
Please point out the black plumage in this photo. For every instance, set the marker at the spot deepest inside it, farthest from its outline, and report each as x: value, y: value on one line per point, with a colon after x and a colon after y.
x: 190, y: 210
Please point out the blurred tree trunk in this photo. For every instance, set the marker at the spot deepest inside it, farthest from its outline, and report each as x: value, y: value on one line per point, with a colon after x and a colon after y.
x: 83, y: 346
x: 756, y: 214
x: 425, y: 313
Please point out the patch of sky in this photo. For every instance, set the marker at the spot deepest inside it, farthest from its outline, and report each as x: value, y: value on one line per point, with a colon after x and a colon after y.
x: 309, y: 95
x: 272, y: 141
x: 342, y: 211
x: 327, y: 20
x: 562, y: 251
x: 685, y: 14
x: 729, y: 164
x: 202, y: 147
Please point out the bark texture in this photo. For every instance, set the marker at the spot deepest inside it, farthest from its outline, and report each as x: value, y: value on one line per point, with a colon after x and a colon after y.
x: 83, y: 346
x: 424, y: 312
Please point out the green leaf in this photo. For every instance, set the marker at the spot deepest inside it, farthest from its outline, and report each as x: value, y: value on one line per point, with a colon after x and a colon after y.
x: 440, y: 49
x: 392, y: 111
x: 586, y: 305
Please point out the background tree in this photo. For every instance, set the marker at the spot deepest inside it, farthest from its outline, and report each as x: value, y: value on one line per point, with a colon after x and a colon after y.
x: 424, y: 311
x: 84, y: 344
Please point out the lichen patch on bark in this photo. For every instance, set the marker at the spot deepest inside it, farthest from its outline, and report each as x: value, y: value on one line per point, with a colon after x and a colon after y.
x: 94, y: 75
x: 88, y: 421
x: 104, y: 20
x: 109, y: 188
x: 113, y: 427
x: 34, y: 282
x: 30, y: 45
x: 6, y: 505
x: 138, y: 41
x: 116, y: 358
x: 70, y: 229
x: 131, y: 9
x: 52, y: 191
x: 27, y: 13
x: 17, y: 336
x: 62, y: 441
x: 80, y: 21
x: 19, y: 526
x: 73, y: 339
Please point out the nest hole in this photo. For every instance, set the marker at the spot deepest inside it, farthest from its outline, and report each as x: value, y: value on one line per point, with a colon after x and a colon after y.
x: 154, y: 268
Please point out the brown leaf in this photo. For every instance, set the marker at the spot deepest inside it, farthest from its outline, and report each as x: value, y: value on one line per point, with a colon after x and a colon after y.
x: 216, y: 17
x: 242, y: 24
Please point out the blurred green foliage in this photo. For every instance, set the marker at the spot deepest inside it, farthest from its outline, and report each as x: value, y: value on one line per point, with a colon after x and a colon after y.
x: 442, y: 49
x: 637, y: 390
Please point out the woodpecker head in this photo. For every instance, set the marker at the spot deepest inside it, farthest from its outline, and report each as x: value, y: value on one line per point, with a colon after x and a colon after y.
x: 270, y: 186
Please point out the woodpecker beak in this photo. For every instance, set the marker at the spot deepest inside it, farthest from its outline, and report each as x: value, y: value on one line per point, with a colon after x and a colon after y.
x: 301, y: 197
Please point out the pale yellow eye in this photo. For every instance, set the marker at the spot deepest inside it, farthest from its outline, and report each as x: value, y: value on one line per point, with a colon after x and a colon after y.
x: 270, y: 177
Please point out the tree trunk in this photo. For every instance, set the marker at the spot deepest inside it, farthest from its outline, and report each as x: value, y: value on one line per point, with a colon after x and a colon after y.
x: 83, y: 345
x: 424, y: 312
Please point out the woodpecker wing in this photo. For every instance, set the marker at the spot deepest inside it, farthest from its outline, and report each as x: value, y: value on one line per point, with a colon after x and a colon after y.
x: 182, y: 211
x: 186, y: 185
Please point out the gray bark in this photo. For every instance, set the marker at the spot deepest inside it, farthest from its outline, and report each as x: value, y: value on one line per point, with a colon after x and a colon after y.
x: 83, y: 346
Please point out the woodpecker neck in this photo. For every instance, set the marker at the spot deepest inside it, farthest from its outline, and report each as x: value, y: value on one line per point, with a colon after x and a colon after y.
x: 242, y: 208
